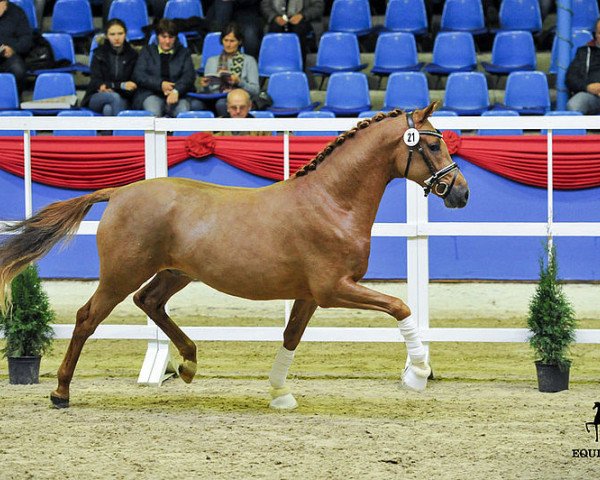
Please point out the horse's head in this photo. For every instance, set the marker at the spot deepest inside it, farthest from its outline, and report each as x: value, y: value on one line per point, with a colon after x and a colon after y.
x: 426, y: 160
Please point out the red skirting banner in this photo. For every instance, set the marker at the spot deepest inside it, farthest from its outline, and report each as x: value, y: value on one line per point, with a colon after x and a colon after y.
x: 95, y: 162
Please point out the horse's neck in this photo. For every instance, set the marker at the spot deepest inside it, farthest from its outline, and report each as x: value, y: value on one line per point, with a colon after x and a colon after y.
x: 356, y: 173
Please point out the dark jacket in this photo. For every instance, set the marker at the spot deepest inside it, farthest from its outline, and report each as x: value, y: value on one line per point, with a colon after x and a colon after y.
x: 111, y: 68
x: 147, y: 73
x: 311, y: 10
x: 578, y: 75
x: 15, y: 30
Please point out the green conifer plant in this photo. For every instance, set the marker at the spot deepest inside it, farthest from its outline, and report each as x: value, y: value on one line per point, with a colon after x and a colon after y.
x: 551, y: 316
x: 27, y: 323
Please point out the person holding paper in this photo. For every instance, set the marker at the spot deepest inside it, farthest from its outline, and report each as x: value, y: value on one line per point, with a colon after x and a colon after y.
x: 231, y: 69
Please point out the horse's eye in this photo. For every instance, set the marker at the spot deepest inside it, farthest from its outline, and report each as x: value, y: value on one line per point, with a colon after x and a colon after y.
x: 435, y: 147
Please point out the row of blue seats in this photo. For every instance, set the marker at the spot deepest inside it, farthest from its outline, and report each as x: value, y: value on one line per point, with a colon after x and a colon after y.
x: 348, y: 92
x: 74, y: 17
x: 395, y: 52
x: 354, y: 16
x: 457, y: 15
x: 265, y: 114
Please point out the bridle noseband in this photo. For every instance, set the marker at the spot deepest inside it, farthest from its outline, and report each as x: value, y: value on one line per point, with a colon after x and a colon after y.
x: 434, y: 182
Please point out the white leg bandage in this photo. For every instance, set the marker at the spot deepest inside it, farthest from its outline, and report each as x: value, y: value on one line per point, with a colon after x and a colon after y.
x: 279, y: 372
x: 414, y: 346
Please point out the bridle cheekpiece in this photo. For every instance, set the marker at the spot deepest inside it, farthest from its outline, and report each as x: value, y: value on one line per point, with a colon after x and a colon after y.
x: 412, y: 138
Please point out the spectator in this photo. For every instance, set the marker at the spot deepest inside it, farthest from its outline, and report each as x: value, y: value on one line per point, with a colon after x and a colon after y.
x: 164, y: 74
x: 583, y: 77
x: 293, y: 16
x: 241, y: 67
x: 15, y: 41
x: 246, y: 13
x: 239, y: 104
x: 111, y: 89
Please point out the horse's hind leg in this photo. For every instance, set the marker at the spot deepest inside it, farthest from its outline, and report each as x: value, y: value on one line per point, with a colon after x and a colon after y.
x: 152, y: 299
x: 89, y: 317
x: 302, y: 311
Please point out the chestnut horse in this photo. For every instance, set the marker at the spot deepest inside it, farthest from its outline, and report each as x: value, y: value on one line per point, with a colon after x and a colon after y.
x: 306, y: 238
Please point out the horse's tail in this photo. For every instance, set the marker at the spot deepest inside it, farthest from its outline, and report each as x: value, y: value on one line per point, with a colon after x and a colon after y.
x: 35, y: 236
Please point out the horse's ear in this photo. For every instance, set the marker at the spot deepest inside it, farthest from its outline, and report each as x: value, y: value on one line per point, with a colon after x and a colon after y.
x: 421, y: 115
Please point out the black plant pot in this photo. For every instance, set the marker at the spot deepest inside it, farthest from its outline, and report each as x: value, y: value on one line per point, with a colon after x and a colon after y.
x: 24, y: 370
x: 552, y: 378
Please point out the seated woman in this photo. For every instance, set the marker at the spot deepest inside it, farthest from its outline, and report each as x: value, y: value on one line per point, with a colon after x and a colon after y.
x: 164, y: 74
x: 231, y: 69
x: 110, y: 89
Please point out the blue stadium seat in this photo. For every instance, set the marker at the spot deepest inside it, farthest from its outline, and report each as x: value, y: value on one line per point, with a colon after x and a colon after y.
x: 512, y: 51
x: 180, y: 36
x: 9, y: 95
x: 196, y: 114
x: 446, y: 113
x: 261, y: 114
x: 369, y: 113
x: 395, y: 52
x: 212, y: 46
x: 338, y: 52
x: 15, y: 113
x: 585, y: 14
x: 520, y: 15
x: 63, y: 49
x: 279, y: 52
x: 192, y: 114
x: 73, y: 17
x: 184, y: 9
x: 53, y: 84
x: 351, y: 16
x: 467, y: 93
x: 579, y: 39
x: 316, y: 114
x: 453, y: 52
x: 29, y: 8
x: 290, y: 93
x: 135, y: 15
x: 565, y: 131
x: 406, y: 90
x: 463, y: 16
x: 131, y: 113
x: 77, y: 133
x: 500, y: 113
x: 527, y: 93
x: 406, y: 16
x: 347, y: 94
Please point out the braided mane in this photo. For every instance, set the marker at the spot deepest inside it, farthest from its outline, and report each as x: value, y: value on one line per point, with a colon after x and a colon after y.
x: 323, y: 154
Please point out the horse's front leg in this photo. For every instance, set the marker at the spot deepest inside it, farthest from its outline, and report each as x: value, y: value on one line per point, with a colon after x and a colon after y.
x: 349, y: 294
x: 282, y: 398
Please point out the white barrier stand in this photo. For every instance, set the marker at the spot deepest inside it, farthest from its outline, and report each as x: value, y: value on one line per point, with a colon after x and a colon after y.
x: 158, y: 365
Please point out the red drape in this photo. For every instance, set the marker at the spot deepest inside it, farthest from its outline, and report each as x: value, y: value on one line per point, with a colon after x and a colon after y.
x: 96, y: 162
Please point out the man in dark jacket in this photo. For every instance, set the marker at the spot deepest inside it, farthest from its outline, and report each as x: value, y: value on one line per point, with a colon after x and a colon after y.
x: 293, y: 16
x: 583, y: 77
x: 164, y: 74
x: 15, y: 41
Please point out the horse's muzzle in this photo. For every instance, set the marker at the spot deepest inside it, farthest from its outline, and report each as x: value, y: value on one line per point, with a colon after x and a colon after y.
x: 458, y: 197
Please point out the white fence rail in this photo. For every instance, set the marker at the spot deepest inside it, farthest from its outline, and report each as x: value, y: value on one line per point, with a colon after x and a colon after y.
x: 417, y: 228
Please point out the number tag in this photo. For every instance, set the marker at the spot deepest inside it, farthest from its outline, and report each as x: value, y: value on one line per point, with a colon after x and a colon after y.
x: 411, y: 137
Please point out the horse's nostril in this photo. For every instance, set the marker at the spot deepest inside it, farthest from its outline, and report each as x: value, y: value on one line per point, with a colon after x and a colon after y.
x: 466, y: 195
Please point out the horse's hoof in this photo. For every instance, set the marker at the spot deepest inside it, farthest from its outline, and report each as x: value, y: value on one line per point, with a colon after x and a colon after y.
x: 415, y: 378
x: 284, y: 402
x: 187, y: 370
x: 58, y: 402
